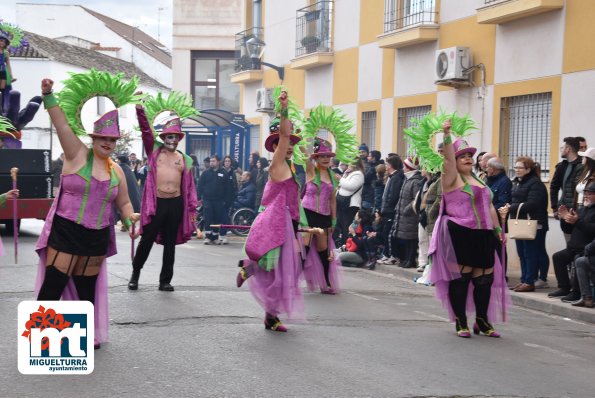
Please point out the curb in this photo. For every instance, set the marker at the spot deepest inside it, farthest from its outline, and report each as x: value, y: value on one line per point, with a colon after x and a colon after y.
x: 538, y: 301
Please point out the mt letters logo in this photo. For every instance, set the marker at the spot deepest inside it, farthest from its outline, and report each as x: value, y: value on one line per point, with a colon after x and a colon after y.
x: 56, y: 337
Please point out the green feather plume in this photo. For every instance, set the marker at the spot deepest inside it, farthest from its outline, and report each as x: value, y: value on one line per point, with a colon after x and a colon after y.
x: 15, y: 35
x: 176, y: 102
x: 297, y: 118
x: 81, y: 87
x: 420, y: 134
x: 6, y: 127
x: 337, y: 123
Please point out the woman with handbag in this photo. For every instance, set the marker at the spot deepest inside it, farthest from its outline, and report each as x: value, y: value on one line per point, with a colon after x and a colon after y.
x: 529, y: 200
x: 349, y: 198
x: 463, y: 247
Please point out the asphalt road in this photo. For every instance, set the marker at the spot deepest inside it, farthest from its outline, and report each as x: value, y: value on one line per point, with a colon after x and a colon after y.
x: 384, y: 336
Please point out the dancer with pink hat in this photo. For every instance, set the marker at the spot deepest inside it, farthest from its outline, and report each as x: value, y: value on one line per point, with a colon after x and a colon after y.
x: 322, y: 266
x: 274, y: 264
x: 78, y: 234
x: 465, y: 266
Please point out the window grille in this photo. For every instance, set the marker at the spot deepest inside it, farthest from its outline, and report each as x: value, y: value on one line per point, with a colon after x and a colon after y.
x: 405, y: 115
x: 399, y: 14
x: 526, y: 129
x: 313, y: 25
x: 369, y: 129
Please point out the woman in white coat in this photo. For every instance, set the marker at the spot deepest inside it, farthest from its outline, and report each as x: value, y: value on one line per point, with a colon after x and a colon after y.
x: 349, y: 198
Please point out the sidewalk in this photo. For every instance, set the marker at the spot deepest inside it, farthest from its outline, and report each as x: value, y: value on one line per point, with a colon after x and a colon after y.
x: 537, y: 300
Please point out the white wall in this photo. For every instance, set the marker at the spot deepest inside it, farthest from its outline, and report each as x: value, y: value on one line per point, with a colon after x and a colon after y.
x: 249, y: 100
x: 319, y: 86
x: 346, y: 26
x: 451, y: 10
x: 181, y: 64
x: 465, y: 101
x: 53, y: 21
x: 387, y: 137
x: 350, y: 111
x: 370, y: 72
x: 530, y: 47
x: 576, y: 112
x: 414, y: 69
x: 279, y: 30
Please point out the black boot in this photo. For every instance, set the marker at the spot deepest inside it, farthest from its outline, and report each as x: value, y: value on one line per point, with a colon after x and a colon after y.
x: 85, y: 287
x: 53, y: 285
x: 323, y: 254
x: 482, y: 289
x: 457, y: 293
x: 133, y: 283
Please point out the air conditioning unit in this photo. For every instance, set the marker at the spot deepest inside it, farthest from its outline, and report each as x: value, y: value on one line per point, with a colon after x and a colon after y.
x: 452, y: 62
x: 264, y: 100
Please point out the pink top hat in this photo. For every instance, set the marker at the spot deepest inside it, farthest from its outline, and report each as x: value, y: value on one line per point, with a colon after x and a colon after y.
x: 273, y: 137
x: 461, y: 147
x: 107, y: 125
x: 172, y: 126
x: 322, y: 148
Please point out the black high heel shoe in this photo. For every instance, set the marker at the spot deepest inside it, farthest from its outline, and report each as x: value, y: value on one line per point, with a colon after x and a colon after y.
x: 483, y: 326
x: 462, y: 329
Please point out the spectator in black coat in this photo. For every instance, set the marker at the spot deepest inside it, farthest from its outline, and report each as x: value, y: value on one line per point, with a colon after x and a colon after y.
x: 262, y: 167
x: 565, y: 179
x: 529, y: 197
x: 247, y: 193
x: 133, y: 191
x: 372, y: 160
x: 214, y: 186
x: 379, y: 186
x: 390, y: 198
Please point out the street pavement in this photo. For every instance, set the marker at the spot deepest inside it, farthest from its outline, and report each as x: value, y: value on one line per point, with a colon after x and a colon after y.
x: 384, y: 336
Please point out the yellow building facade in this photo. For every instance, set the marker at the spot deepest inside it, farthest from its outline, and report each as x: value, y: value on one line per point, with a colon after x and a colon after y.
x: 523, y: 69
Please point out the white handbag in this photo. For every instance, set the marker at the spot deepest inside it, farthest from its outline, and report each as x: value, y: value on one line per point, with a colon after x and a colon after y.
x: 522, y: 229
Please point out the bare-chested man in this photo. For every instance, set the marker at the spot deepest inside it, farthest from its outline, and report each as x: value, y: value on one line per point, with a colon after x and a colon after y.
x: 168, y: 209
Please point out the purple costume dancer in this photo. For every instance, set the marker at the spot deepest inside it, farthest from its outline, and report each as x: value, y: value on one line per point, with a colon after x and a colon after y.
x: 466, y: 268
x: 78, y: 234
x: 322, y: 266
x: 274, y: 263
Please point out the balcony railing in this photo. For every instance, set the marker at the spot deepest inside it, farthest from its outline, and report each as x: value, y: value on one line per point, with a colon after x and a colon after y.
x: 400, y: 14
x: 313, y: 28
x: 243, y: 60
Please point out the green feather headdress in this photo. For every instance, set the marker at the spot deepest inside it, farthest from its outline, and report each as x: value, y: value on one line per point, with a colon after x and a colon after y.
x: 14, y: 34
x: 337, y: 123
x: 6, y: 127
x: 297, y: 118
x: 176, y: 102
x: 81, y: 87
x: 420, y: 136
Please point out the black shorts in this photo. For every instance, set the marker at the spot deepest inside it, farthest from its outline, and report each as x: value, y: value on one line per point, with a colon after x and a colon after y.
x: 2, y: 75
x: 473, y: 247
x: 317, y: 220
x: 69, y: 237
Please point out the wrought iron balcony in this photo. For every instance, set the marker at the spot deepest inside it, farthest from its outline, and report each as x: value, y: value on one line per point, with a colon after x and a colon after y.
x: 244, y: 61
x: 400, y: 14
x: 314, y: 28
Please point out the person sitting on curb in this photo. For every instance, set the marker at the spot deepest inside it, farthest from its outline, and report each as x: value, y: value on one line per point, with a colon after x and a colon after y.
x: 583, y: 232
x: 585, y: 273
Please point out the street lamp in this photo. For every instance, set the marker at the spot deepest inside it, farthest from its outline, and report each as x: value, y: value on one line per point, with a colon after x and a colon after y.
x: 255, y: 48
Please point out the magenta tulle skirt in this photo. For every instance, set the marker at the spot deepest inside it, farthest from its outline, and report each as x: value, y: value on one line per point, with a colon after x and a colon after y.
x: 314, y: 272
x: 70, y: 293
x: 278, y: 291
x: 444, y: 268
